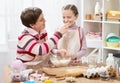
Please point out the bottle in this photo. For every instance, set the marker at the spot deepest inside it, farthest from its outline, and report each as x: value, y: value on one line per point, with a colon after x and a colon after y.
x: 97, y: 9
x: 110, y: 60
x: 118, y: 70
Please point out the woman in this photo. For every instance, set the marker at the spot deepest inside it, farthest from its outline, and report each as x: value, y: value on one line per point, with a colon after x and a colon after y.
x: 33, y: 44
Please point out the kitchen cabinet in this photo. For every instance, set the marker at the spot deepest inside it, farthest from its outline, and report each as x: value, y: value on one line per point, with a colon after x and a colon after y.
x: 97, y: 27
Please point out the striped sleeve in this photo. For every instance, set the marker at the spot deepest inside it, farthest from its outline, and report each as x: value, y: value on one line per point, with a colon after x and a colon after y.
x: 30, y: 44
x: 56, y: 37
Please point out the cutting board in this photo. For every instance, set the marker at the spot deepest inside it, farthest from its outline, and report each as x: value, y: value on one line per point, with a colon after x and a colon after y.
x: 66, y: 71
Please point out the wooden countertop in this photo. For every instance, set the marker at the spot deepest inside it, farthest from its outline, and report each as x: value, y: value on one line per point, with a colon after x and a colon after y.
x: 78, y: 80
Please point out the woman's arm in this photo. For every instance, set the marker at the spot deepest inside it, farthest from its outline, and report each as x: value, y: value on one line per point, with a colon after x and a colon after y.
x: 29, y: 44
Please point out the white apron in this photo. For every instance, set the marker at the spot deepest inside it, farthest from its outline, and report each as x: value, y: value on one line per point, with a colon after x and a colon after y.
x: 70, y: 41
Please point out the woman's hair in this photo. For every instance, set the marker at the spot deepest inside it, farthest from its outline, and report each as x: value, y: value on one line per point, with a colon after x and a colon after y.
x: 30, y: 16
x: 71, y: 7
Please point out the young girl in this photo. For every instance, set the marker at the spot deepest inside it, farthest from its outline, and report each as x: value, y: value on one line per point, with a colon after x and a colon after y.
x: 73, y: 43
x: 33, y: 44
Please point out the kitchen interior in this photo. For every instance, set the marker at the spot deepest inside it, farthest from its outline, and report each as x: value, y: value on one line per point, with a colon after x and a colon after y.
x: 101, y: 22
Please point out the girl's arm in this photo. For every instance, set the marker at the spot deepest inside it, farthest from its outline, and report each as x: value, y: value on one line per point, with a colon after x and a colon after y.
x: 83, y: 50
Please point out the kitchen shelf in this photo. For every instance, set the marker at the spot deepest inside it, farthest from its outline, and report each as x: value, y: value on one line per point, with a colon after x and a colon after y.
x: 110, y: 48
x: 94, y: 43
x: 103, y: 25
x: 92, y: 21
x: 111, y: 22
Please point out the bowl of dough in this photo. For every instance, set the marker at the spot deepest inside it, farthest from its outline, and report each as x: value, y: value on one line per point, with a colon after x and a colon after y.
x: 60, y: 61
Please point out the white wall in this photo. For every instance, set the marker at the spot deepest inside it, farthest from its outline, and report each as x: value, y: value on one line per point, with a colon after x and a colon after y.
x: 52, y: 12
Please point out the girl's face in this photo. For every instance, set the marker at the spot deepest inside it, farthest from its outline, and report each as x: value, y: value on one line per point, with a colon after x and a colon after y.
x: 69, y: 17
x: 40, y: 24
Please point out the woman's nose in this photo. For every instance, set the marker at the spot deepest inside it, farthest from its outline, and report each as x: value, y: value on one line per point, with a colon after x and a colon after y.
x: 44, y: 20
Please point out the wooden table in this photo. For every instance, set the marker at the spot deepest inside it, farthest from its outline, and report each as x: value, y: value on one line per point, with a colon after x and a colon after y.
x: 78, y: 80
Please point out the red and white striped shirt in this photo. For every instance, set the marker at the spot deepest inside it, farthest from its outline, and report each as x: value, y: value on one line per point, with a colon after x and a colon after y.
x: 31, y: 44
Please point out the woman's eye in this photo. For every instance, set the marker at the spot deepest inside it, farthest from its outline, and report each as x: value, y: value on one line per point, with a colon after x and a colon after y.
x: 41, y: 20
x: 63, y: 17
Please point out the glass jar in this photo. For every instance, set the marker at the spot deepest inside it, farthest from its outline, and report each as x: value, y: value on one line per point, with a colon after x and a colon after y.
x: 118, y: 70
x: 92, y: 61
x: 117, y: 65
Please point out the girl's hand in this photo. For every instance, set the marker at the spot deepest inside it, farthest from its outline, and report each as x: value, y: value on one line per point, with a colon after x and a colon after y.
x: 62, y: 52
x: 75, y: 62
x: 63, y: 29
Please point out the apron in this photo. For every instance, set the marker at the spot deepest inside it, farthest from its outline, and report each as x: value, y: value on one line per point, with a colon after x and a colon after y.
x: 70, y: 41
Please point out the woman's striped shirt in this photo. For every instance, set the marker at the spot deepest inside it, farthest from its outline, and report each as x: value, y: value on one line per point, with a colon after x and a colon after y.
x: 31, y: 44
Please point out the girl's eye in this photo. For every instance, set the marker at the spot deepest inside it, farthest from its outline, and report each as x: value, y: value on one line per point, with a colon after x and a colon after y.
x: 68, y: 17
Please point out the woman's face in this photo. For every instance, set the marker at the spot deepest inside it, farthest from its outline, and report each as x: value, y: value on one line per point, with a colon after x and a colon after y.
x: 40, y: 24
x: 69, y: 17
